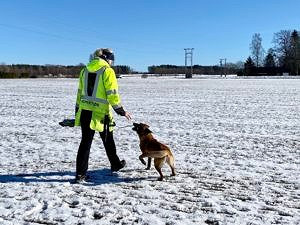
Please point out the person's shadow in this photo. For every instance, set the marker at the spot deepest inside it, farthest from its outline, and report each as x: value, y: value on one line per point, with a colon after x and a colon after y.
x: 97, y: 177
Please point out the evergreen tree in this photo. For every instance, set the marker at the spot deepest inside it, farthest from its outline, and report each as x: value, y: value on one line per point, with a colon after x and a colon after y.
x: 295, y: 53
x: 249, y: 65
x: 270, y: 59
x: 249, y: 62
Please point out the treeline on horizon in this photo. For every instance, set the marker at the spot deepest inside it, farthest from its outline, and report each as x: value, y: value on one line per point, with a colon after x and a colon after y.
x: 35, y: 71
x: 283, y: 57
x: 231, y: 68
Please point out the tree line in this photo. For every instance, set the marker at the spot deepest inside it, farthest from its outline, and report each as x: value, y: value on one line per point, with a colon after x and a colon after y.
x: 231, y: 68
x: 34, y: 71
x: 283, y: 57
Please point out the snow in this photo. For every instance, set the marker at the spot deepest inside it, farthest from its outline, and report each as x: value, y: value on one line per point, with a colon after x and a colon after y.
x: 236, y: 144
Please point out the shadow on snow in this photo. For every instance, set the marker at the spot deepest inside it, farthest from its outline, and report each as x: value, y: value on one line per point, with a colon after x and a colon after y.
x: 97, y: 177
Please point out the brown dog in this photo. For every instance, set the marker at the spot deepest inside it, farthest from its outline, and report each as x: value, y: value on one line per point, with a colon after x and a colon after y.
x: 151, y: 148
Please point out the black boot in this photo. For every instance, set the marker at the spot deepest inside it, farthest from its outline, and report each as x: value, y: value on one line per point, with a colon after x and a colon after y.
x: 120, y: 166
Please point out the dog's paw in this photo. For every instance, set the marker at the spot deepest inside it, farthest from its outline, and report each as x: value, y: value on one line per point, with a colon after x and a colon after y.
x: 160, y: 179
x: 147, y: 168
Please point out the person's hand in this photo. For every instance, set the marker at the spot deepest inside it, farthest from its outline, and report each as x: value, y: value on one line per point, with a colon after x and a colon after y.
x: 127, y: 115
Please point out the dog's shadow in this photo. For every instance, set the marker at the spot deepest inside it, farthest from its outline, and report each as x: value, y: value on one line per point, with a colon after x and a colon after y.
x: 97, y: 177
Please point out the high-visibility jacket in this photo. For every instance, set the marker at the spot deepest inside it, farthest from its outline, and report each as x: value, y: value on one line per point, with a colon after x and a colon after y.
x: 101, y: 98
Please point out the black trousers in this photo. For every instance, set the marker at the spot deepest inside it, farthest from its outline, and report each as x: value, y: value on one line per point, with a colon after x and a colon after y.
x: 86, y: 142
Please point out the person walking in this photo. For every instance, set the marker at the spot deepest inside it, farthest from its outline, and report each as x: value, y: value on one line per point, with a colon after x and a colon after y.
x: 96, y: 97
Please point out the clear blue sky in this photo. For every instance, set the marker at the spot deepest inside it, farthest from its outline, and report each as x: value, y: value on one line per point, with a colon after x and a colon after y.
x: 142, y: 32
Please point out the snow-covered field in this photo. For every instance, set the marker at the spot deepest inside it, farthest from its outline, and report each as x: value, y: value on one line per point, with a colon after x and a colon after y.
x: 236, y: 143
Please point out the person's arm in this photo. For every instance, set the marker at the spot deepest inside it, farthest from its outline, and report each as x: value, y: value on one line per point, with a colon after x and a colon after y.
x: 112, y: 93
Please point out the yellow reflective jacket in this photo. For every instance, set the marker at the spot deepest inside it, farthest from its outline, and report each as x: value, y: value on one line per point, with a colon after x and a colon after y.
x: 102, y: 98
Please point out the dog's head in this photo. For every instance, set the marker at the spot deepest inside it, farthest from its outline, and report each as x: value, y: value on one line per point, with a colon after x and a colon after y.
x: 141, y: 128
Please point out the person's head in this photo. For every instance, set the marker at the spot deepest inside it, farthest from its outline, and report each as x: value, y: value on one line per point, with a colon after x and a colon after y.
x: 105, y: 53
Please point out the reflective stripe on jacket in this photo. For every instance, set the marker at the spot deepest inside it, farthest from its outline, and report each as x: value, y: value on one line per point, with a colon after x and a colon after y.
x: 99, y: 98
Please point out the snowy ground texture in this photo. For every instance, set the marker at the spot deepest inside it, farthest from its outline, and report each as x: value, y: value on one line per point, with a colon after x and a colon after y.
x: 236, y: 144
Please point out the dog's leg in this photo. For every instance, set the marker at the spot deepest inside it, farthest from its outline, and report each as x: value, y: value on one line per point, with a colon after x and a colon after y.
x: 141, y: 157
x: 170, y: 161
x: 149, y: 164
x: 158, y: 163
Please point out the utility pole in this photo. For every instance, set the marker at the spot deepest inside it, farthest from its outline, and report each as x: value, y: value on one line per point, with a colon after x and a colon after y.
x: 223, y: 69
x: 188, y: 56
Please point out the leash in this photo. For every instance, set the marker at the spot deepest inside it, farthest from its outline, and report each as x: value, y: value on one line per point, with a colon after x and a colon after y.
x: 124, y: 126
x: 71, y: 122
x: 133, y: 122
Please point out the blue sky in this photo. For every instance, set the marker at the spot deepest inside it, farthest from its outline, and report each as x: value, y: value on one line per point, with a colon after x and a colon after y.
x: 142, y: 32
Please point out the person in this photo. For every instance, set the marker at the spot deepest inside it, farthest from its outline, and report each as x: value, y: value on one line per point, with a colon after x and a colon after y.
x: 96, y: 97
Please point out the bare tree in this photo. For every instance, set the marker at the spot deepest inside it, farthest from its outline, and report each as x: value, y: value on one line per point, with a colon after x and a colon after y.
x: 282, y: 46
x: 256, y: 48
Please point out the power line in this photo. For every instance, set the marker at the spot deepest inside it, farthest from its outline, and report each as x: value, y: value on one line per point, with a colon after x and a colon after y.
x: 57, y: 36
